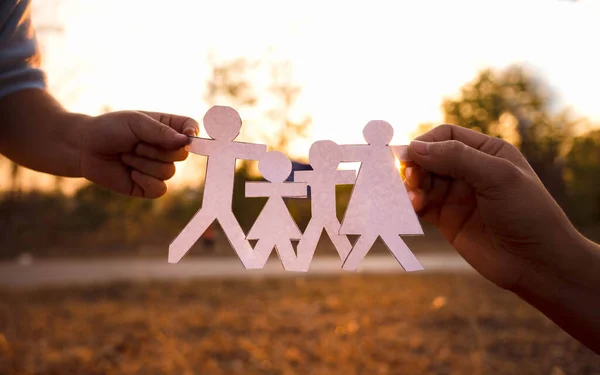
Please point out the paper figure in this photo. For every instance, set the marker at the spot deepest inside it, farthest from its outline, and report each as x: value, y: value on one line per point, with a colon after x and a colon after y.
x: 324, y: 158
x: 274, y: 226
x: 379, y: 204
x: 222, y: 125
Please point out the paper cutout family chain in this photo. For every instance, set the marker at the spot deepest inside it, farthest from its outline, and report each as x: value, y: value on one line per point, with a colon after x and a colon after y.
x: 379, y: 205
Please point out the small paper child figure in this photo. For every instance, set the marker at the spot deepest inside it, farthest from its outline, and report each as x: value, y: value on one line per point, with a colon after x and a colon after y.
x: 223, y: 125
x: 379, y: 205
x: 274, y: 226
x: 324, y: 158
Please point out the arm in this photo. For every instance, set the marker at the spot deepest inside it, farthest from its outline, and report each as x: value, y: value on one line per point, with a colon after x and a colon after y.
x: 345, y: 177
x: 128, y: 152
x: 566, y: 288
x: 353, y: 152
x: 400, y: 152
x: 38, y: 133
x: 200, y: 146
x: 258, y: 189
x: 249, y: 151
x: 293, y: 189
x: 302, y: 176
x: 485, y: 198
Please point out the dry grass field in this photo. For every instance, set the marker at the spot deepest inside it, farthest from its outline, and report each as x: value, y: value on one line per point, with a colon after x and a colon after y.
x: 359, y: 324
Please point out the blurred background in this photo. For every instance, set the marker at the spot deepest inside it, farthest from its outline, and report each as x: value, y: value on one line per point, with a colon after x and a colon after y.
x: 297, y: 72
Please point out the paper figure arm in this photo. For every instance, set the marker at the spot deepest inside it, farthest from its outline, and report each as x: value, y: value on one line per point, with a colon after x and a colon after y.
x: 200, y: 146
x: 249, y: 151
x: 258, y: 189
x: 400, y: 152
x: 267, y: 189
x: 302, y: 176
x: 345, y: 177
x: 353, y: 152
x: 293, y: 189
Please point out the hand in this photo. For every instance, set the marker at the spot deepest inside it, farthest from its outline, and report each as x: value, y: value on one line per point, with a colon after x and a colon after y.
x: 483, y: 196
x: 133, y: 153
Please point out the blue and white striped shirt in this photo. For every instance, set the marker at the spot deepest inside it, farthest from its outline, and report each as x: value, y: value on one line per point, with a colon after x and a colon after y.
x: 19, y: 52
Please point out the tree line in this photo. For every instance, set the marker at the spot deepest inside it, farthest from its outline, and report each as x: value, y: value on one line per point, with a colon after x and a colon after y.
x: 510, y: 103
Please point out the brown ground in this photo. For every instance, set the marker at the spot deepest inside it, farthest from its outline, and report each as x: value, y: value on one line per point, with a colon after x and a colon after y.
x: 359, y: 324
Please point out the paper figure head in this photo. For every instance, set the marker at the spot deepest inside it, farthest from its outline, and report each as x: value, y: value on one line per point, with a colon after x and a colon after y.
x: 325, y: 155
x: 222, y: 123
x: 275, y: 166
x: 378, y: 133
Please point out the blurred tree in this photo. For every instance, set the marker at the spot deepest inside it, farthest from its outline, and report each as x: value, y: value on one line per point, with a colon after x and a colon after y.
x: 514, y: 105
x: 583, y: 176
x: 285, y: 94
x: 230, y: 84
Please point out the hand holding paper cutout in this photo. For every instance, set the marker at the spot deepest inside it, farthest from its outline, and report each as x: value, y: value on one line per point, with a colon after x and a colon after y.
x: 223, y: 125
x: 132, y: 152
x: 379, y: 205
x: 274, y: 226
x: 487, y: 201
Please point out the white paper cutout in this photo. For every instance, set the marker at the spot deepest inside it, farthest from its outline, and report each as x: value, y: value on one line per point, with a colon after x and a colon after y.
x: 324, y: 158
x: 379, y: 205
x: 223, y: 125
x: 275, y: 227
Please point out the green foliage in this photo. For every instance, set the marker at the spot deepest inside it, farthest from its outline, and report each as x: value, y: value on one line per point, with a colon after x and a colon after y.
x: 583, y: 163
x: 512, y: 104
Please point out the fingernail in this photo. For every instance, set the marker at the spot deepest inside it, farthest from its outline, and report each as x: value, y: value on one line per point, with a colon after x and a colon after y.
x: 421, y: 148
x: 409, y: 171
x: 412, y: 195
x: 190, y: 132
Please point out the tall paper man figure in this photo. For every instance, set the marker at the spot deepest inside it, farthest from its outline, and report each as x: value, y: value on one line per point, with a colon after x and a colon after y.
x: 223, y: 125
x: 324, y: 157
x: 379, y: 204
x: 274, y: 226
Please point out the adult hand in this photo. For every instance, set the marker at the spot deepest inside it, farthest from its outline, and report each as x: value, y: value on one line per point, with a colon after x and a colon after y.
x: 486, y: 200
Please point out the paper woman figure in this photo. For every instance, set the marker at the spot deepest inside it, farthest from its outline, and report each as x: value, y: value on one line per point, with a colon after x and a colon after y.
x: 379, y: 204
x: 324, y: 157
x: 223, y: 125
x: 274, y: 226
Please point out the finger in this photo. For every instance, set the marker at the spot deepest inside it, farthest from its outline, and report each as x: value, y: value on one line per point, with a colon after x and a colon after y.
x: 147, y: 186
x: 418, y: 198
x: 435, y: 198
x: 150, y: 131
x: 417, y: 177
x: 160, y: 154
x: 157, y: 169
x: 459, y: 161
x: 484, y: 143
x: 182, y: 124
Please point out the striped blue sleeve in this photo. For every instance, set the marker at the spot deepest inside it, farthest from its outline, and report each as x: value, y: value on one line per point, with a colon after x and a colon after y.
x: 20, y: 57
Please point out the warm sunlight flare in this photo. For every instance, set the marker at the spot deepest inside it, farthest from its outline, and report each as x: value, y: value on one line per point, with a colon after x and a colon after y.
x: 381, y: 60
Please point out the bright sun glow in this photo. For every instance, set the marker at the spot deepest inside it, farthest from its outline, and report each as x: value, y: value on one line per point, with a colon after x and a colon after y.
x: 386, y: 60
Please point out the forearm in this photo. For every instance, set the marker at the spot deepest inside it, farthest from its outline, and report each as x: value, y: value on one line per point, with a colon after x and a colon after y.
x: 38, y: 133
x: 566, y: 288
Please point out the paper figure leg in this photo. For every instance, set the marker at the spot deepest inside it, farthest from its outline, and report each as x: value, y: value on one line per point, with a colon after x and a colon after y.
x: 308, y: 244
x: 288, y: 257
x: 359, y: 251
x: 189, y: 235
x: 402, y: 253
x: 238, y: 241
x: 340, y: 241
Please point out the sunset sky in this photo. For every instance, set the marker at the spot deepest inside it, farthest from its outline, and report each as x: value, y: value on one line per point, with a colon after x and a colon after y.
x: 354, y: 61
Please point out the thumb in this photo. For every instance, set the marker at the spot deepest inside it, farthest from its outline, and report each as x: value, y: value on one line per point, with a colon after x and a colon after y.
x: 155, y: 133
x: 456, y: 160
